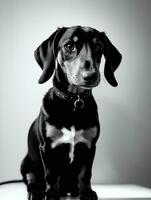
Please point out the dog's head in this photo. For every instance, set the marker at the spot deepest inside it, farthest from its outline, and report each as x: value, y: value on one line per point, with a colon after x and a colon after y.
x: 78, y: 51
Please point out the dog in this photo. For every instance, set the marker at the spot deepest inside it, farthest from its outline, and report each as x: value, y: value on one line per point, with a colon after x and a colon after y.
x: 62, y: 139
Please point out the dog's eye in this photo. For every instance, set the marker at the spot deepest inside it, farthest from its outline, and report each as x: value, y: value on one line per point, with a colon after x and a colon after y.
x: 70, y: 47
x: 99, y: 47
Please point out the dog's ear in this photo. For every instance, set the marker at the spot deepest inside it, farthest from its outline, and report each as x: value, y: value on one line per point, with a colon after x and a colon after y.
x: 113, y: 60
x: 46, y: 53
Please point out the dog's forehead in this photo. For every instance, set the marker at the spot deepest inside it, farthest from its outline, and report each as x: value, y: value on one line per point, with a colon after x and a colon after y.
x: 77, y: 32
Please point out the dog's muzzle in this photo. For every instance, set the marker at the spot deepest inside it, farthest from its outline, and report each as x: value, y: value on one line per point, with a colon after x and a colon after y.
x: 91, y: 79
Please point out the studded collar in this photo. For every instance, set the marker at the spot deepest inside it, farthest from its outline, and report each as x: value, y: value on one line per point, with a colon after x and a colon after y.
x: 77, y: 99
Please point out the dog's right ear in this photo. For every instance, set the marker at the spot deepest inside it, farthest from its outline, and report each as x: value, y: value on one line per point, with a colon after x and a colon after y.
x: 45, y: 55
x: 113, y: 59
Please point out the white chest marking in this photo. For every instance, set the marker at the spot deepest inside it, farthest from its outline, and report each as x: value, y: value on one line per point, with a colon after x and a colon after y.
x: 72, y: 137
x: 67, y: 137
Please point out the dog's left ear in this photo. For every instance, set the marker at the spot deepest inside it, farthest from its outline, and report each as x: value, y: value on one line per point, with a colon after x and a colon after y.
x: 113, y: 59
x: 45, y: 55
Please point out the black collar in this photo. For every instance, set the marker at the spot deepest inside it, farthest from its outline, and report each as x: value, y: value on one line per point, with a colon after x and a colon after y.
x: 78, y: 99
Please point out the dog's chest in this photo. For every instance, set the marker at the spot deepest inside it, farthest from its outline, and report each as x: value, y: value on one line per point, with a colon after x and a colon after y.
x: 72, y: 137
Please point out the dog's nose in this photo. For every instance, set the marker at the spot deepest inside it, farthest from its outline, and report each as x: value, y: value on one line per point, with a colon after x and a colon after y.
x: 87, y: 65
x: 90, y: 78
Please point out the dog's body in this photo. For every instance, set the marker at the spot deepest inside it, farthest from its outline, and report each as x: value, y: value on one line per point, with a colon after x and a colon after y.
x: 62, y: 140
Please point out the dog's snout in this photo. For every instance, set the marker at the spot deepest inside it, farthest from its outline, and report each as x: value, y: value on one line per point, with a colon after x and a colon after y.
x: 90, y: 78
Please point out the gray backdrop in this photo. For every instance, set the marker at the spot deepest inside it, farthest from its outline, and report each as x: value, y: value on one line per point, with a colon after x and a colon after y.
x: 123, y: 150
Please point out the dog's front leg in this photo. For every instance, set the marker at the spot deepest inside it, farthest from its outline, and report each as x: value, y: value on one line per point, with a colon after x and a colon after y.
x: 50, y: 173
x: 85, y: 189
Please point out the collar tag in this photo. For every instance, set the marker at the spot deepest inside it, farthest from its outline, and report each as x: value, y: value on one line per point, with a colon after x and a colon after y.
x: 79, y: 103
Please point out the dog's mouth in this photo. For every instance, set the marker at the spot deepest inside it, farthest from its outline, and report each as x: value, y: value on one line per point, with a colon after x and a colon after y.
x: 85, y: 81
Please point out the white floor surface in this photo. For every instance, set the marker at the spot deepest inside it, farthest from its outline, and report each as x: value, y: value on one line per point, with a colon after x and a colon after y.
x: 18, y: 192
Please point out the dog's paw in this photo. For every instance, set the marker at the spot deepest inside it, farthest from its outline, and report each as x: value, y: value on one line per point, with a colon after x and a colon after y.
x: 88, y: 194
x: 51, y: 194
x: 35, y: 195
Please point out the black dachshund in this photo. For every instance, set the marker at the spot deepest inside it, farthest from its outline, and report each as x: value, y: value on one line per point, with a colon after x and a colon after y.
x: 62, y: 139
